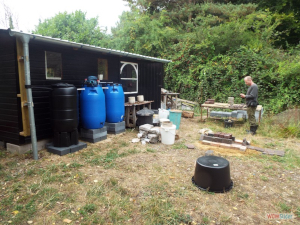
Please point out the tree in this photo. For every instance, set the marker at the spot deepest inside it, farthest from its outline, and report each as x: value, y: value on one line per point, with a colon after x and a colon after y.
x: 73, y: 27
x: 8, y: 19
x: 142, y: 33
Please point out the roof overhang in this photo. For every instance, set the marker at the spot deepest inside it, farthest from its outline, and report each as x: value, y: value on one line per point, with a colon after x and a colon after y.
x: 94, y: 48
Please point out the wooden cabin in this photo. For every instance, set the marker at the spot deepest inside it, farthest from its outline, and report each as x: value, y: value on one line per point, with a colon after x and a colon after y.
x: 53, y: 61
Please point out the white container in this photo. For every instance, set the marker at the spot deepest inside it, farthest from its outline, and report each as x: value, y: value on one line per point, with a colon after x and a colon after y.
x: 140, y: 98
x: 230, y: 100
x: 100, y: 77
x: 168, y: 134
x: 131, y: 100
x: 163, y: 120
x: 155, y: 118
x: 163, y: 113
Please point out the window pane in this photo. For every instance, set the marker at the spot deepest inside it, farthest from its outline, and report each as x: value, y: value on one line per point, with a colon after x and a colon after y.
x: 53, y: 63
x: 129, y: 85
x: 103, y: 68
x: 128, y: 72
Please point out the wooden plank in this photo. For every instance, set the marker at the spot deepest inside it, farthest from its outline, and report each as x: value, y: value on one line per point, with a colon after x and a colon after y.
x: 186, y: 101
x: 137, y: 103
x: 227, y: 106
x: 24, y: 109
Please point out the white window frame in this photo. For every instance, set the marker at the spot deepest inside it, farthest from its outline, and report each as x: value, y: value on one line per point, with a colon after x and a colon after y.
x: 50, y: 78
x: 136, y: 68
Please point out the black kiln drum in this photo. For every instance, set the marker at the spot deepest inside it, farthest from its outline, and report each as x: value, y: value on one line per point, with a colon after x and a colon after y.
x: 212, y: 174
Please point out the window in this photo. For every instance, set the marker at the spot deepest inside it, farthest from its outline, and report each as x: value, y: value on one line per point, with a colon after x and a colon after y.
x: 129, y: 77
x: 103, y: 68
x: 53, y: 65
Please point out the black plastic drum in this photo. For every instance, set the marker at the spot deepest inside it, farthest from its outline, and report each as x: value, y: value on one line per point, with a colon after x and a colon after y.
x: 212, y: 174
x: 64, y: 108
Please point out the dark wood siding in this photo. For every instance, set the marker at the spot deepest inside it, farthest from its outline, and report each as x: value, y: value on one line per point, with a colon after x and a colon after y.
x: 9, y: 113
x: 150, y: 80
x: 76, y: 66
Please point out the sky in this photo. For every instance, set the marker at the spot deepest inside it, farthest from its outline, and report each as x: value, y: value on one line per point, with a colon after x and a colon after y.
x: 28, y: 12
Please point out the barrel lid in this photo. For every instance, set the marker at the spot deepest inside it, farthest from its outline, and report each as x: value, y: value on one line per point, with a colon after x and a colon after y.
x: 92, y: 78
x: 98, y: 85
x: 114, y: 84
x: 212, y: 162
x: 62, y: 85
x: 145, y: 112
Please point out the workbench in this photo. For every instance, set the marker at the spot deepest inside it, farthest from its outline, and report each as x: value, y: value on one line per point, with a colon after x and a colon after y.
x: 219, y: 105
x: 131, y: 109
x: 165, y: 97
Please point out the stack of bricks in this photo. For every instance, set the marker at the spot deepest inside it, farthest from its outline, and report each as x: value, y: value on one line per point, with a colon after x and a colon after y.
x: 228, y: 141
x: 223, y: 140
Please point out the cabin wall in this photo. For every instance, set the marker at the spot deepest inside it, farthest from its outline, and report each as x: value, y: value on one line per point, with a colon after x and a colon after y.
x: 76, y: 66
x: 9, y: 102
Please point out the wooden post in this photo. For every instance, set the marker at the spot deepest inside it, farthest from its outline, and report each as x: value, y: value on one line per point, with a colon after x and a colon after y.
x: 201, y: 111
x: 22, y: 95
x: 134, y: 116
x: 207, y: 114
x: 127, y: 116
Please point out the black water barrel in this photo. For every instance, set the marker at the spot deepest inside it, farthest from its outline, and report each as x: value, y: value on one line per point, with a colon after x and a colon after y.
x: 64, y: 107
x: 212, y: 173
x: 144, y: 116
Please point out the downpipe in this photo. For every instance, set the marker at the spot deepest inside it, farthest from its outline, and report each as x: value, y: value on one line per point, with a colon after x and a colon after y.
x: 25, y: 40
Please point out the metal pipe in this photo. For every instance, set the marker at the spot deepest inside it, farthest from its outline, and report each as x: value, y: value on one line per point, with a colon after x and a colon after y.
x: 25, y: 40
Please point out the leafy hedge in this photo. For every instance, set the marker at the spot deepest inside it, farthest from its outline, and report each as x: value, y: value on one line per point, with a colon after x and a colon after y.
x: 212, y: 62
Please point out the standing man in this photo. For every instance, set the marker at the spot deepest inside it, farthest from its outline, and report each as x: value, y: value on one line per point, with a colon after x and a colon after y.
x: 251, y: 102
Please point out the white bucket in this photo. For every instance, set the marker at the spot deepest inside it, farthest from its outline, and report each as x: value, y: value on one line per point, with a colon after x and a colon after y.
x: 163, y: 120
x: 131, y: 100
x: 140, y: 98
x: 163, y: 113
x: 168, y: 134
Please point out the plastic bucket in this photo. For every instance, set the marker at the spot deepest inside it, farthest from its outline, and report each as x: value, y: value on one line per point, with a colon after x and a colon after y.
x: 168, y: 134
x: 140, y: 98
x: 163, y: 113
x: 175, y: 117
x: 164, y: 120
x: 131, y: 100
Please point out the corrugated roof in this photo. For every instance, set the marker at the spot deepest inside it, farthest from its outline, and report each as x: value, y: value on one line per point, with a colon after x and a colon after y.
x: 85, y: 46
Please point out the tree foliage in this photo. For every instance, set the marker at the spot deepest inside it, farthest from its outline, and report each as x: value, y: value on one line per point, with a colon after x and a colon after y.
x: 213, y: 46
x: 73, y: 27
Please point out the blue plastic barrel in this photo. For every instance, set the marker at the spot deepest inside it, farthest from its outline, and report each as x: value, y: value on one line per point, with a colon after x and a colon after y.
x: 175, y: 117
x: 92, y: 107
x: 114, y: 100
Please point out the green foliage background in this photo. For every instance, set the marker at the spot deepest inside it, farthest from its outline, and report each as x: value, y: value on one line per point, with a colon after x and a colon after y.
x: 213, y: 46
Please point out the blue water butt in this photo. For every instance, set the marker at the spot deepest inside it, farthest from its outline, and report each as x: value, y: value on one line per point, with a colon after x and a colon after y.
x: 92, y: 107
x: 114, y: 100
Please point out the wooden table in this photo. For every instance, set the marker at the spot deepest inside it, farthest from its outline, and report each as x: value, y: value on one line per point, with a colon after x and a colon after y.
x: 131, y: 109
x: 166, y: 96
x: 227, y: 106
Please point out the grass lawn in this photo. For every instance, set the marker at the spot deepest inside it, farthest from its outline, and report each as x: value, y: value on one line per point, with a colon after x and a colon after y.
x: 119, y: 182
